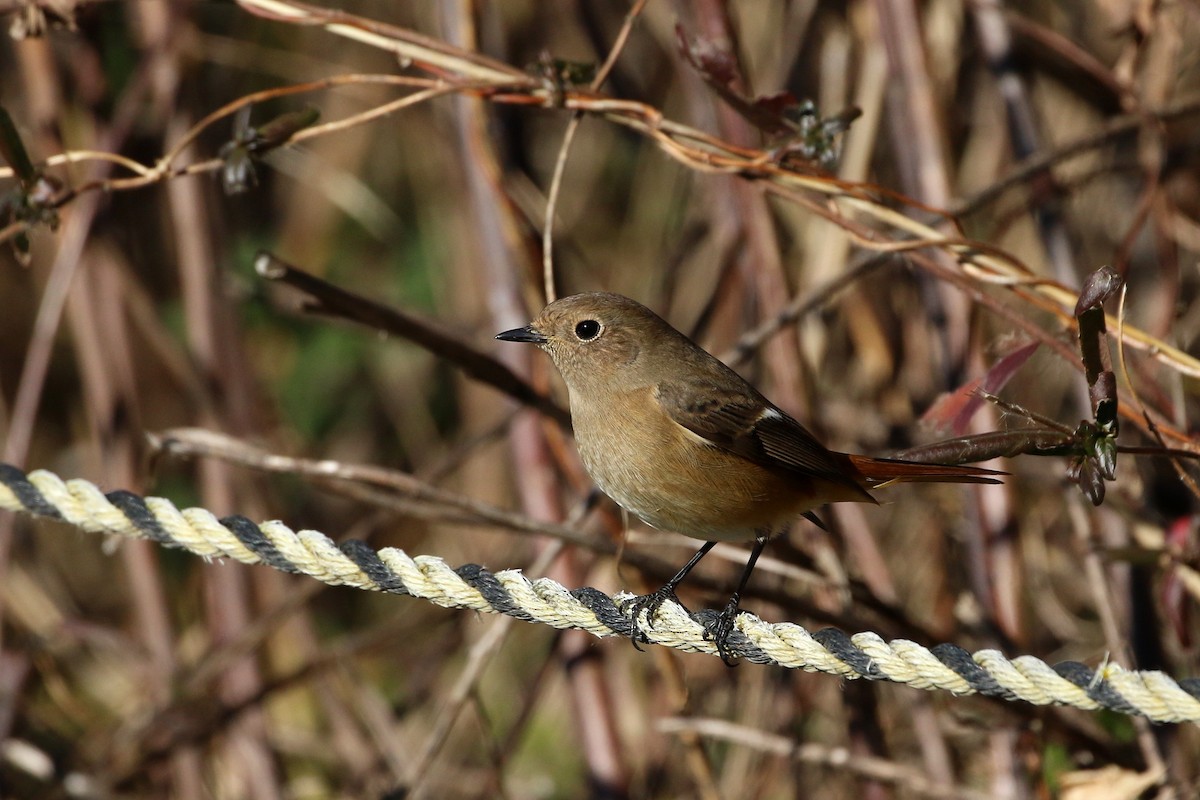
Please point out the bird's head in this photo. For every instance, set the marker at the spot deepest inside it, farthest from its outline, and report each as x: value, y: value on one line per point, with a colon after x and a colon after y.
x: 597, y: 338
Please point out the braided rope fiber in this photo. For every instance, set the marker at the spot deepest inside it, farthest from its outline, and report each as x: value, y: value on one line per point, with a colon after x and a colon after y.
x: 947, y: 667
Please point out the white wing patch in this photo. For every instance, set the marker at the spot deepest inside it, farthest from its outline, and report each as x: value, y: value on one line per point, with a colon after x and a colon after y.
x: 691, y: 434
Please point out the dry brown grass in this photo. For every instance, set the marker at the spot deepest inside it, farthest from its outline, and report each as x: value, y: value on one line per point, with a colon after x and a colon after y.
x: 1061, y: 138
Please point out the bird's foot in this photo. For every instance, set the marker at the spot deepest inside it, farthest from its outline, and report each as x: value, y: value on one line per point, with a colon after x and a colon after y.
x: 650, y: 603
x: 722, y: 627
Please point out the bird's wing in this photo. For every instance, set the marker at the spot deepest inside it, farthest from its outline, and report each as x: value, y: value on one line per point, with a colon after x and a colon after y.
x: 749, y: 426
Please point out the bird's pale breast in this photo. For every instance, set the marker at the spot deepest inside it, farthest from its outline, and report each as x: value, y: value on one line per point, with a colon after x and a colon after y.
x: 673, y: 480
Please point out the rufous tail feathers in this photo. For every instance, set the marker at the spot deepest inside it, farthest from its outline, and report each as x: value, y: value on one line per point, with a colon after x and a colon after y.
x: 880, y: 472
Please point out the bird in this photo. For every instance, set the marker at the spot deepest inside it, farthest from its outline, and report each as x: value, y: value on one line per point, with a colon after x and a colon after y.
x: 682, y: 441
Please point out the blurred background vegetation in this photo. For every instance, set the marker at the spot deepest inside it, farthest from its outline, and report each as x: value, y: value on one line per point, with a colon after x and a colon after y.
x: 1066, y: 135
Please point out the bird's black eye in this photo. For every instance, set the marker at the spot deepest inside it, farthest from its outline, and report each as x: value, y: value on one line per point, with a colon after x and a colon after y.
x: 587, y: 330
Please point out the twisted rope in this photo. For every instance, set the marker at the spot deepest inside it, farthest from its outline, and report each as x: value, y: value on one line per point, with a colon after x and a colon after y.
x: 1151, y: 694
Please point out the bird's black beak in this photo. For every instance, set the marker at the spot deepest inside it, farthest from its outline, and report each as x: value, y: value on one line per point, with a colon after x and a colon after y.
x: 526, y: 334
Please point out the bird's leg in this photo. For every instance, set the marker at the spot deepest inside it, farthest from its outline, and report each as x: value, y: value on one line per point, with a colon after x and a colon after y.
x: 650, y: 603
x: 724, y: 625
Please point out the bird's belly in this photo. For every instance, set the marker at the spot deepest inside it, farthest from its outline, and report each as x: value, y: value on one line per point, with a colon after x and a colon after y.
x: 674, y: 483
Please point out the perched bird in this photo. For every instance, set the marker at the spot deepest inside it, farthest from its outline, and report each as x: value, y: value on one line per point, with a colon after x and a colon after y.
x: 685, y: 443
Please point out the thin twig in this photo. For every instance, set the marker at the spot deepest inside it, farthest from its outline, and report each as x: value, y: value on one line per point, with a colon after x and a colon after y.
x: 802, y: 305
x: 197, y: 442
x: 560, y: 165
x: 872, y: 767
x: 337, y: 302
x: 478, y: 658
x: 560, y: 162
x: 1039, y: 163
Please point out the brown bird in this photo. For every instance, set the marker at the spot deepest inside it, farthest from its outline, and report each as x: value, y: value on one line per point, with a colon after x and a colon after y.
x: 685, y: 443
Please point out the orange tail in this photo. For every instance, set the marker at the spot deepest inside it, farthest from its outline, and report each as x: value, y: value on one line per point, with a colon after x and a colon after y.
x: 880, y: 472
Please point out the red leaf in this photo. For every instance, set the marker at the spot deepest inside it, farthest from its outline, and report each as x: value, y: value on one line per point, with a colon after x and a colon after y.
x: 953, y: 410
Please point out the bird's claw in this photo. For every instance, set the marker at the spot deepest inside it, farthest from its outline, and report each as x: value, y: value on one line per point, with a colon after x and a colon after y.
x: 650, y: 603
x: 721, y: 629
